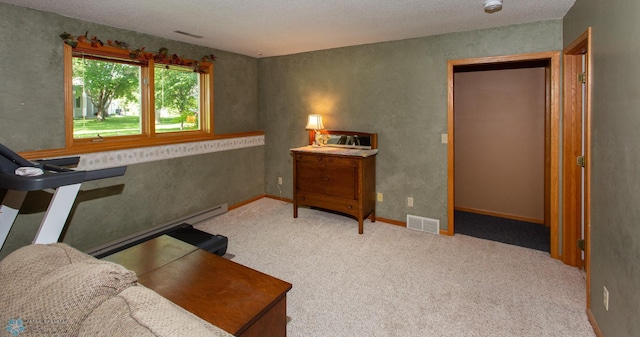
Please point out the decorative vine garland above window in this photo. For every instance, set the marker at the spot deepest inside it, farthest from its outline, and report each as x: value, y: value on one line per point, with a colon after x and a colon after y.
x: 117, y: 97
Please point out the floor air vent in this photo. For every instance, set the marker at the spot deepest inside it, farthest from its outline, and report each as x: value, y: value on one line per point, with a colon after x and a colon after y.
x: 423, y: 224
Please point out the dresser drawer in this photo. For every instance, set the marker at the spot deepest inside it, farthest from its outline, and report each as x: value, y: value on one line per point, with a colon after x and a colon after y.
x: 341, y: 161
x: 324, y: 159
x: 322, y: 201
x: 308, y: 157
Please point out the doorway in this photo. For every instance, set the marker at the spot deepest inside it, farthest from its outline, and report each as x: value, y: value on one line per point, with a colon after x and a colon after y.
x: 550, y: 60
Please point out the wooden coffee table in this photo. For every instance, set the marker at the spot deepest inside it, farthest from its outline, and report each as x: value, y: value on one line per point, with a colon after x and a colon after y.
x: 237, y: 299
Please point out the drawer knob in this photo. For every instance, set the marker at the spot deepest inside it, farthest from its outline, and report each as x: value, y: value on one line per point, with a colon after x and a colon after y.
x: 349, y: 206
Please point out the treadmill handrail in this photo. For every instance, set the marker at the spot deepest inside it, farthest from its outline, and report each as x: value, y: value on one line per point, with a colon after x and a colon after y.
x: 105, y: 173
x: 66, y: 161
x: 53, y: 179
x: 11, y: 181
x: 55, y: 175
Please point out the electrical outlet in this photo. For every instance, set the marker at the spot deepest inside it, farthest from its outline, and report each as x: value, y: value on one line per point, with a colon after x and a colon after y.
x: 410, y: 201
x: 380, y: 197
x: 279, y: 180
x: 605, y: 299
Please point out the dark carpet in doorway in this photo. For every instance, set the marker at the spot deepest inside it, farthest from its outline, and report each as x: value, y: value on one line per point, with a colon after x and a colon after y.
x: 513, y: 232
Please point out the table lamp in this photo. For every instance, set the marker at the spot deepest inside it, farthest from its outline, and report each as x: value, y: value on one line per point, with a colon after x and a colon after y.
x: 314, y: 125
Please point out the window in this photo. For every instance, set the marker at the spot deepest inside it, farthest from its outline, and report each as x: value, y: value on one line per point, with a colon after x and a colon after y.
x: 117, y: 100
x: 177, y: 91
x: 109, y: 94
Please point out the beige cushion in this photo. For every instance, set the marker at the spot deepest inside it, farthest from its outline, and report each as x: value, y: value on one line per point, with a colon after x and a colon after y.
x: 139, y: 311
x: 29, y: 263
x: 52, y: 288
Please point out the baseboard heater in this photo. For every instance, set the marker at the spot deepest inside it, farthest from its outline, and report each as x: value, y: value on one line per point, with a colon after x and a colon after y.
x: 177, y: 225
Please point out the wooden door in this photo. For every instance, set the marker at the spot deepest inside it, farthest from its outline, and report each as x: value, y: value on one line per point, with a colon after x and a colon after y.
x: 341, y: 181
x: 577, y: 98
x: 310, y: 176
x: 573, y: 160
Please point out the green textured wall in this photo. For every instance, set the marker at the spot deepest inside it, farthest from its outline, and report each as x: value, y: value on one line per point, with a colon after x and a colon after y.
x: 31, y: 118
x: 615, y: 171
x: 397, y: 89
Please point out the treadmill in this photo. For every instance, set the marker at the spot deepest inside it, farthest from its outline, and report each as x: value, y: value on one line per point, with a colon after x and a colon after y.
x: 19, y: 176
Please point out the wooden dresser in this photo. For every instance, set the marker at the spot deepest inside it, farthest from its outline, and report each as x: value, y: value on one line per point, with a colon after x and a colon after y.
x: 337, y: 179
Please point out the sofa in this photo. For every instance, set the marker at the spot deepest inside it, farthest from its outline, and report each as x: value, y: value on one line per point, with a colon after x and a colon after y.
x: 56, y: 290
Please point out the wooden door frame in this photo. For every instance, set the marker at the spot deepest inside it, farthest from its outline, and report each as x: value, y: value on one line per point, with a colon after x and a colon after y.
x: 552, y: 122
x: 572, y: 111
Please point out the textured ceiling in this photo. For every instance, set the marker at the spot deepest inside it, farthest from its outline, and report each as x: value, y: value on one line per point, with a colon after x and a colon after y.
x: 280, y: 27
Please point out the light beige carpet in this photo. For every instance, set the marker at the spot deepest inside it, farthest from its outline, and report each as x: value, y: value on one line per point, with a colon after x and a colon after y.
x: 393, y: 281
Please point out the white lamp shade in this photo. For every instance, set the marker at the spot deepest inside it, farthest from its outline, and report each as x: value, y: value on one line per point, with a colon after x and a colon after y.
x: 314, y: 122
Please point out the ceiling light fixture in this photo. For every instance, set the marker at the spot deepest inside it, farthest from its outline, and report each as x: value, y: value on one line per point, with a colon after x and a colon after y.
x: 492, y: 6
x: 187, y: 34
